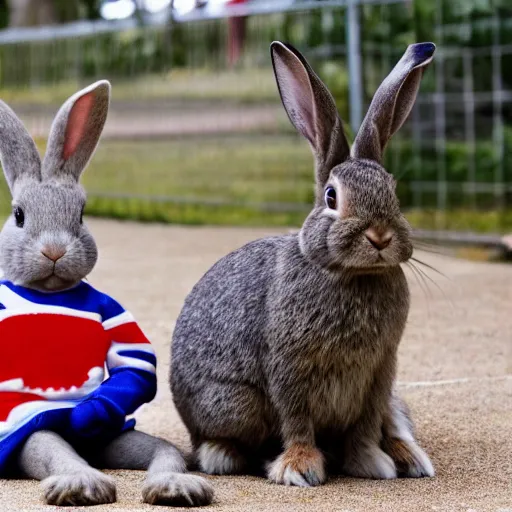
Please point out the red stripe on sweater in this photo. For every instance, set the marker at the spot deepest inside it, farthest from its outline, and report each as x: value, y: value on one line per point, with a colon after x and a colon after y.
x: 51, y: 350
x: 127, y: 333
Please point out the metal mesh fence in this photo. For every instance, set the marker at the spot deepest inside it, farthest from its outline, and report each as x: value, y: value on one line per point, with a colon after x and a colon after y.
x: 195, y: 135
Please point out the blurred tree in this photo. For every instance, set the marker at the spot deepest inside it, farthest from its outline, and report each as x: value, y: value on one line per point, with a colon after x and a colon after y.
x: 26, y: 13
x: 91, y: 9
x: 4, y: 14
x: 67, y: 10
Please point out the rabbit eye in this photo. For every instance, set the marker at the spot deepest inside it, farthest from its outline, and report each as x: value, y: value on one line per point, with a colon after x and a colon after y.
x: 330, y: 198
x: 19, y: 216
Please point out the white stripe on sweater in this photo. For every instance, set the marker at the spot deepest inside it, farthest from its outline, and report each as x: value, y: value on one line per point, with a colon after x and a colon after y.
x: 23, y: 413
x: 116, y: 360
x: 17, y: 305
x: 52, y: 310
x: 116, y: 321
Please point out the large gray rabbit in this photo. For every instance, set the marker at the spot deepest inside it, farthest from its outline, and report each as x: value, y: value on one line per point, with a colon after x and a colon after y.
x: 60, y: 434
x: 284, y: 355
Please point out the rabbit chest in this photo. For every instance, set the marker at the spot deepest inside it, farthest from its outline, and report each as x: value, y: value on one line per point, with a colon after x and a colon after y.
x: 336, y: 336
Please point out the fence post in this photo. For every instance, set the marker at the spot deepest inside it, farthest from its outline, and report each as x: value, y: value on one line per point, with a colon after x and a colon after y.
x: 354, y: 64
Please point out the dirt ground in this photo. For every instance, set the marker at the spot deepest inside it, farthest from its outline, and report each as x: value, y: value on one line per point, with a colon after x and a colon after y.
x: 168, y: 118
x: 455, y: 371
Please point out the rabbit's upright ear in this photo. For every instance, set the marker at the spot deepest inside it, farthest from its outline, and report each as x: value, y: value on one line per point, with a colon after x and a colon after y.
x: 75, y: 133
x: 392, y: 102
x: 18, y: 153
x: 311, y: 109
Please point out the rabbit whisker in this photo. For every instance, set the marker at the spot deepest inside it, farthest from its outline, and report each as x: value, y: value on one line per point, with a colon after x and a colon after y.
x: 420, y: 280
x: 435, y: 284
x: 430, y: 248
x: 434, y: 269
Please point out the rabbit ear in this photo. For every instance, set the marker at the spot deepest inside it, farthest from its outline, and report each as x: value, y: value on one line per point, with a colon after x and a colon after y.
x: 392, y: 102
x: 311, y: 109
x: 75, y: 133
x: 18, y: 153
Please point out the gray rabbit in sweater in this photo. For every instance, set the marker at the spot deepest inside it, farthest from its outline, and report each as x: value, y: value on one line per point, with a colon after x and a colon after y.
x: 61, y: 433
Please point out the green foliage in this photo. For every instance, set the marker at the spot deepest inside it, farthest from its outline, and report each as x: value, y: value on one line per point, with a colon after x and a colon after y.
x: 239, y: 180
x: 335, y: 76
x: 249, y: 172
x: 386, y: 29
x: 418, y: 166
x: 4, y: 14
x: 475, y: 221
x: 90, y: 9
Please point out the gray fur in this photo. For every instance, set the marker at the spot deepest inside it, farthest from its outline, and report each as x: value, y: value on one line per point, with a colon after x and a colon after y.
x: 291, y: 341
x: 72, y: 479
x: 66, y: 477
x: 51, y: 199
x: 53, y: 251
x: 52, y: 221
x: 18, y: 152
x: 392, y: 102
x: 166, y: 481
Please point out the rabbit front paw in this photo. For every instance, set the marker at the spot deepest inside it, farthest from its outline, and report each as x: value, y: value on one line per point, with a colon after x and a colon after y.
x: 370, y: 462
x: 177, y: 490
x: 301, y: 465
x: 411, y: 461
x: 89, y: 487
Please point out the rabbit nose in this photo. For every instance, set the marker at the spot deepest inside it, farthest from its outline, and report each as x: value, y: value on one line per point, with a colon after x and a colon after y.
x: 378, y: 238
x: 53, y: 253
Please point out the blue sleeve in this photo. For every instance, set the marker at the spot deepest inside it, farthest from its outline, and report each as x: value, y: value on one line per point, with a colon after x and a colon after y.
x: 103, y: 412
x: 109, y: 307
x: 126, y: 389
x: 132, y: 380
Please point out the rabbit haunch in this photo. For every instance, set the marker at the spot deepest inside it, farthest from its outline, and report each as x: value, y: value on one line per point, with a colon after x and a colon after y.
x: 284, y: 355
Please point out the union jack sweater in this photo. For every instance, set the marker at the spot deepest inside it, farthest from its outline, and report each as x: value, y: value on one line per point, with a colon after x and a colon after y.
x: 55, y: 349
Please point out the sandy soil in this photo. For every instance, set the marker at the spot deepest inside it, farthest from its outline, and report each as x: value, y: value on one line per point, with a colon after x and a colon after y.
x: 455, y: 371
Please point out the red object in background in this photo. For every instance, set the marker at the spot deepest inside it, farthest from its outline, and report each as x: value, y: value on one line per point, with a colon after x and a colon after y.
x: 236, y: 36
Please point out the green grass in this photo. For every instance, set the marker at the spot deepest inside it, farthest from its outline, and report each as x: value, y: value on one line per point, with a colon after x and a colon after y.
x: 462, y: 220
x: 231, y: 180
x: 241, y: 86
x: 231, y: 172
x: 238, y: 169
x: 235, y: 173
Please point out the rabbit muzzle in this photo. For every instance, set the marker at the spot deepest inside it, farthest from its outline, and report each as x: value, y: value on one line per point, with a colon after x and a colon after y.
x: 56, y: 272
x: 59, y: 261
